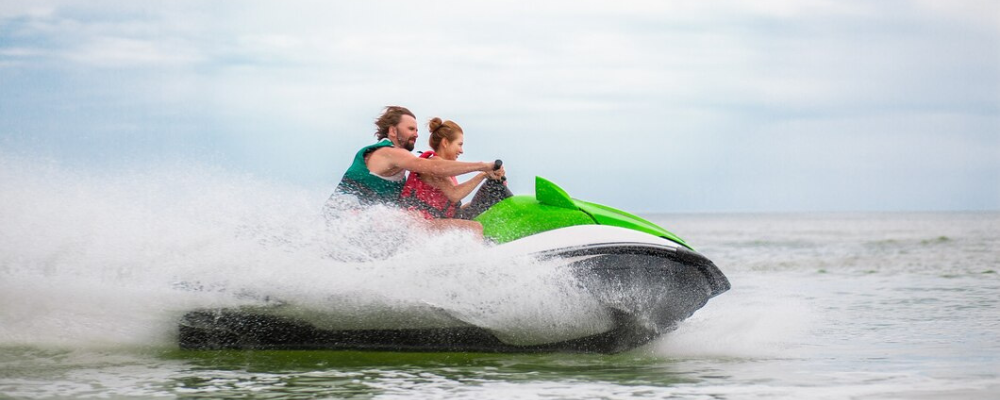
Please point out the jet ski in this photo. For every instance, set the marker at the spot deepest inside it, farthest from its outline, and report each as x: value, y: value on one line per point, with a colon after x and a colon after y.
x: 640, y: 281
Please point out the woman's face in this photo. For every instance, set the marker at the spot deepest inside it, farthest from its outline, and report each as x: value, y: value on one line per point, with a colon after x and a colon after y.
x: 450, y: 150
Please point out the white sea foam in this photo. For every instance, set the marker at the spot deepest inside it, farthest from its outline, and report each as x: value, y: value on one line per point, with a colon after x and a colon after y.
x: 760, y: 317
x: 109, y: 259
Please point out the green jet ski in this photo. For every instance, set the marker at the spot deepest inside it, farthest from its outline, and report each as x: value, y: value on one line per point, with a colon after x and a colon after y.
x: 642, y: 279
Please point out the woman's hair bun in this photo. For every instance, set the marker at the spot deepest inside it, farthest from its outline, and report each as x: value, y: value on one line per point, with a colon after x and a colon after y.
x: 435, y: 124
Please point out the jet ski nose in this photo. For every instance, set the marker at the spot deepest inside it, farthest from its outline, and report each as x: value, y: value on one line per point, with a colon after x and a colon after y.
x: 717, y: 281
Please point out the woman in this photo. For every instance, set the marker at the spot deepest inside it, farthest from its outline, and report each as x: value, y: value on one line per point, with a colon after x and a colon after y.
x: 439, y: 198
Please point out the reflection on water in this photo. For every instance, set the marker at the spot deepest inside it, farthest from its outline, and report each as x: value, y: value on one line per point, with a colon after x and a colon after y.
x: 345, y: 373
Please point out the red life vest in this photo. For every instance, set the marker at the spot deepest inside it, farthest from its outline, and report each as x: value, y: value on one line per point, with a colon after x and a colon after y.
x: 429, y: 200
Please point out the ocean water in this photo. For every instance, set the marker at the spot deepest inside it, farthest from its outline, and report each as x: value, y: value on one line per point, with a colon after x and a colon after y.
x: 95, y: 269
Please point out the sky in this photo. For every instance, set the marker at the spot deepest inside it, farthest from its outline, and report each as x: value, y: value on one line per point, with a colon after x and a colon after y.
x: 648, y: 106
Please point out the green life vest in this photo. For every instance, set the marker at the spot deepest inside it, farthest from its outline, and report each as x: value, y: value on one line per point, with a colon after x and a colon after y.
x: 368, y: 187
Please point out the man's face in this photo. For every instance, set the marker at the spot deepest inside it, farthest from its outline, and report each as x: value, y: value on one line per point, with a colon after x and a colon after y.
x: 406, y: 132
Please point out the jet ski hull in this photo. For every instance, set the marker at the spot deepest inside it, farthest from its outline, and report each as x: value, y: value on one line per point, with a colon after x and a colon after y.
x: 646, y: 285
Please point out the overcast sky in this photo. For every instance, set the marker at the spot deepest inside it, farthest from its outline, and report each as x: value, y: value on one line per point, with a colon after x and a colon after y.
x: 669, y: 106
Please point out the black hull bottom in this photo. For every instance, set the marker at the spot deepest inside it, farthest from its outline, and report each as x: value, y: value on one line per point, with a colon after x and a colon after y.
x: 234, y: 330
x: 647, y: 290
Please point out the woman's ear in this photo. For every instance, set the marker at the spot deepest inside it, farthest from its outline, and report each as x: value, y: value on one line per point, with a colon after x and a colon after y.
x: 445, y: 143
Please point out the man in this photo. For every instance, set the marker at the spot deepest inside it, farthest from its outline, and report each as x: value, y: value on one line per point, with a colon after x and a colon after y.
x: 377, y: 174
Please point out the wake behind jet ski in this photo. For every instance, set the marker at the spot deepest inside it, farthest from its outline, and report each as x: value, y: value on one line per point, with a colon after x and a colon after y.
x: 642, y: 280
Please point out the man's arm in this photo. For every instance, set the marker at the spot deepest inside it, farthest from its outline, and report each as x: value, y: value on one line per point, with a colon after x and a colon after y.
x: 389, y: 159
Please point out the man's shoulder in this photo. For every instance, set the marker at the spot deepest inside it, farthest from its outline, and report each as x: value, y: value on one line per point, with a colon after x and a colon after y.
x: 387, y: 160
x: 392, y: 152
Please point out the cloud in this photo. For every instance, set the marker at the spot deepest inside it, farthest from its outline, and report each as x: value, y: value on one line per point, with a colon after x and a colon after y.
x: 116, y: 52
x: 982, y: 14
x: 25, y: 9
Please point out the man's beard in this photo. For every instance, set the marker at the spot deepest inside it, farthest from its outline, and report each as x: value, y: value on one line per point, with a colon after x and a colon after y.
x: 408, y: 144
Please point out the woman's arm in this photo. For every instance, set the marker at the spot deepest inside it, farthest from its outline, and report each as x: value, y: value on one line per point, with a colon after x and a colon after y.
x: 452, y: 191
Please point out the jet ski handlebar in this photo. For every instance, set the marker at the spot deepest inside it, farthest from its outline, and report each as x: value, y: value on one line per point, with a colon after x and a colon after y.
x: 497, y: 164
